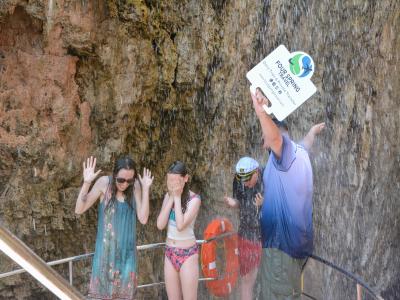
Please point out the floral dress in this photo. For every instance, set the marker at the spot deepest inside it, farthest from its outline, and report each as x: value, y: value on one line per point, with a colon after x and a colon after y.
x: 114, y: 262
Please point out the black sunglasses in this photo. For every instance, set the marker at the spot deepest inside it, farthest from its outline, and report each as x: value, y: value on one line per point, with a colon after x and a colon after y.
x: 123, y: 180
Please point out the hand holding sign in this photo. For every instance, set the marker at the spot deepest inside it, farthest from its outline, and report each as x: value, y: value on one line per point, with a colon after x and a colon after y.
x: 259, y: 100
x: 284, y: 78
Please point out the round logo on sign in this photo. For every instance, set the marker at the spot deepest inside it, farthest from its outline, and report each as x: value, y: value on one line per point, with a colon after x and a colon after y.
x: 301, y: 64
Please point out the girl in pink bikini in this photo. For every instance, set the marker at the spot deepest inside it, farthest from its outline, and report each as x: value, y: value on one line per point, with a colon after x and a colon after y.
x: 179, y: 211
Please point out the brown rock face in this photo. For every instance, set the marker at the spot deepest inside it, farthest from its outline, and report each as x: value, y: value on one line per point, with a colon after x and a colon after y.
x: 165, y: 80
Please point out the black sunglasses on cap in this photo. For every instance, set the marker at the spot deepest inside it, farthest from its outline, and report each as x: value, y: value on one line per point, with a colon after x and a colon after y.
x: 123, y: 180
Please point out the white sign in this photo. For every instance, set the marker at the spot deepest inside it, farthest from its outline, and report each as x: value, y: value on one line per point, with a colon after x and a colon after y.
x: 284, y: 78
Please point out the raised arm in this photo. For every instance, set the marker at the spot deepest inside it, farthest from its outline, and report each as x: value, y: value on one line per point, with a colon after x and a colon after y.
x: 271, y: 133
x: 142, y: 195
x: 308, y: 140
x: 163, y: 217
x: 231, y: 202
x: 184, y: 219
x: 85, y: 198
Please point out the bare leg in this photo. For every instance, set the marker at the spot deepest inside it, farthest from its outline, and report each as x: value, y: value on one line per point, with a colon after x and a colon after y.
x: 189, y: 275
x: 172, y: 281
x: 247, y: 284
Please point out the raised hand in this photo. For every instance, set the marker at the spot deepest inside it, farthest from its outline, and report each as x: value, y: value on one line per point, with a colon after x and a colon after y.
x: 308, y: 140
x: 176, y: 190
x: 89, y: 170
x: 230, y: 201
x: 258, y: 200
x: 175, y: 186
x: 316, y: 129
x: 258, y: 101
x: 146, y: 180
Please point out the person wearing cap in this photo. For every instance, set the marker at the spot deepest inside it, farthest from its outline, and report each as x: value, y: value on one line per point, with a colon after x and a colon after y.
x: 286, y: 213
x: 247, y: 189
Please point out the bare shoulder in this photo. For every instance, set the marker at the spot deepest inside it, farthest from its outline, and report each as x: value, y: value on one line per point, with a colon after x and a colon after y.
x: 103, y: 179
x: 194, y: 196
x: 102, y: 183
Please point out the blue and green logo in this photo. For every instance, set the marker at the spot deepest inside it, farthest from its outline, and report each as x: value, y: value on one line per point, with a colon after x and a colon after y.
x: 301, y: 65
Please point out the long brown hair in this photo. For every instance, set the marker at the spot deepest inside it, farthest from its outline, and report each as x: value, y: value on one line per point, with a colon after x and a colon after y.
x: 126, y: 163
x: 178, y: 167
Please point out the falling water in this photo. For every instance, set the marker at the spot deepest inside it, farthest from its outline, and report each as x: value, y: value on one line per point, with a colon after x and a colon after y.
x: 49, y: 16
x: 193, y: 83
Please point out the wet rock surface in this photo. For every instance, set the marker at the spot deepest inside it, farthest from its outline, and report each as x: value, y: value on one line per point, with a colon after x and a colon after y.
x: 163, y: 81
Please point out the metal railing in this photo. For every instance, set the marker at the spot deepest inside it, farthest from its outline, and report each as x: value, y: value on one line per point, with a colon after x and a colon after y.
x: 26, y: 258
x: 359, y: 282
x: 71, y: 259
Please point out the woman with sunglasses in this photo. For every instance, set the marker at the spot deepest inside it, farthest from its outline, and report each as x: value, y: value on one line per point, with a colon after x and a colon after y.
x: 247, y: 197
x: 179, y: 211
x: 123, y: 196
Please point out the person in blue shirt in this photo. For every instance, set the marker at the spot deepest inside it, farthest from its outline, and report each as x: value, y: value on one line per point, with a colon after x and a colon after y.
x: 286, y: 212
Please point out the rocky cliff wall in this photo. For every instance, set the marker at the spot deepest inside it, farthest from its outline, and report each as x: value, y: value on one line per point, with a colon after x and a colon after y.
x: 162, y: 80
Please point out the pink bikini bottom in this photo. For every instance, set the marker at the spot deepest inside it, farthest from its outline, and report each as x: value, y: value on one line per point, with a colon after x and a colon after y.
x: 177, y: 256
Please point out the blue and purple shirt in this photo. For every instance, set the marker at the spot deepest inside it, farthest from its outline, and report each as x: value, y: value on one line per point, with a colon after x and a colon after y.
x: 286, y: 213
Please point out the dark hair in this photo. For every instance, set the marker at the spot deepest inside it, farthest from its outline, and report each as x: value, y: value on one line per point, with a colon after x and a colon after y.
x: 126, y: 163
x: 281, y: 124
x: 237, y: 188
x: 178, y: 167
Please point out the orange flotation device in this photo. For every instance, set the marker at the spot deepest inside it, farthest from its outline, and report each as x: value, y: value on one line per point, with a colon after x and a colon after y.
x: 226, y: 280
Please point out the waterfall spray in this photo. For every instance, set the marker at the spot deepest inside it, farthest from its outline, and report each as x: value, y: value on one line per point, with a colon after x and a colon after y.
x: 50, y: 15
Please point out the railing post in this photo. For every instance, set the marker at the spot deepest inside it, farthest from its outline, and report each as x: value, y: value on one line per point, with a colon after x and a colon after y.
x: 70, y: 271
